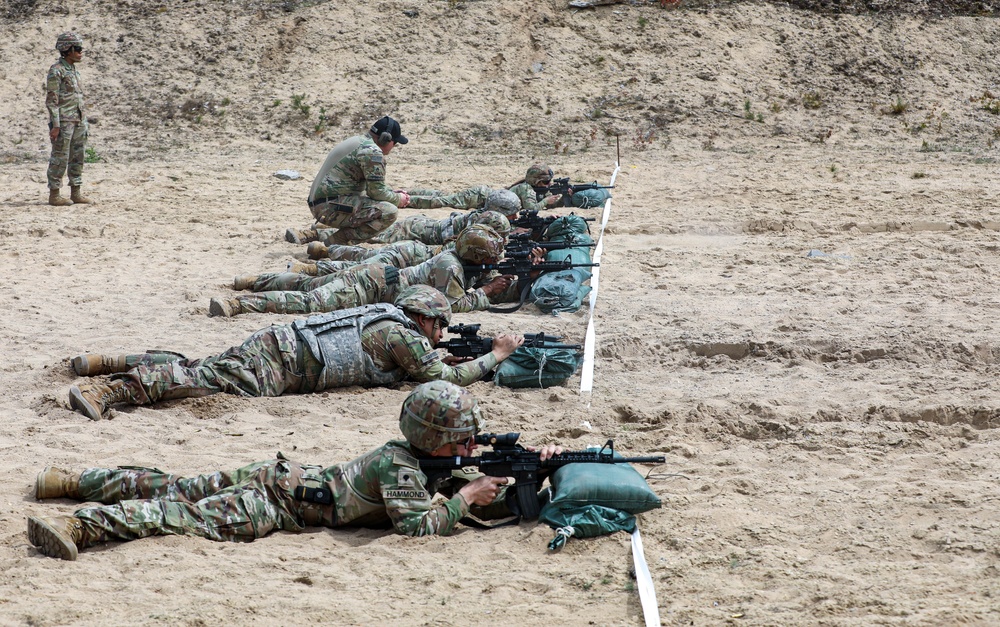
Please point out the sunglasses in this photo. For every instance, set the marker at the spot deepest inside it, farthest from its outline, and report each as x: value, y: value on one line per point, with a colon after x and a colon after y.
x: 77, y: 48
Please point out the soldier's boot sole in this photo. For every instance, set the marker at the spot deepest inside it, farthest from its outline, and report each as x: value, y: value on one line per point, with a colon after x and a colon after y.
x: 80, y: 403
x: 49, y: 541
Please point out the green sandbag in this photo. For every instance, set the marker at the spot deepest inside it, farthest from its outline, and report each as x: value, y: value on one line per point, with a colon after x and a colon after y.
x: 618, y: 486
x: 589, y: 198
x: 566, y: 226
x: 585, y: 521
x: 563, y: 290
x: 529, y: 367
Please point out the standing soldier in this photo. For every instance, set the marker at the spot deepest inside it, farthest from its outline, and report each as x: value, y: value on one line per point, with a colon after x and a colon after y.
x: 349, y: 192
x: 67, y: 122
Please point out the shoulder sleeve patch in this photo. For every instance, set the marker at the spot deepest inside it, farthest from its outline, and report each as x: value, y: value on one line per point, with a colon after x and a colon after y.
x: 404, y: 459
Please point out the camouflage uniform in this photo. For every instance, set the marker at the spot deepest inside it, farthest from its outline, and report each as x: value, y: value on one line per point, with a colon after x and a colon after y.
x: 385, y: 349
x: 472, y: 198
x: 64, y: 101
x: 436, y: 232
x: 383, y: 488
x: 349, y: 192
x: 373, y: 283
x: 537, y: 177
x: 399, y: 255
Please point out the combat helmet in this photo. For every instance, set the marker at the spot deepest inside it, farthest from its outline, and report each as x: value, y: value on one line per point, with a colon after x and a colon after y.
x: 479, y: 243
x: 438, y: 413
x: 67, y: 40
x: 424, y: 299
x: 504, y: 201
x: 493, y: 219
x: 539, y: 175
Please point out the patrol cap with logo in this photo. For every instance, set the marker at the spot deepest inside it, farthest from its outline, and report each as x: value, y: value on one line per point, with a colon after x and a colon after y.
x: 390, y: 126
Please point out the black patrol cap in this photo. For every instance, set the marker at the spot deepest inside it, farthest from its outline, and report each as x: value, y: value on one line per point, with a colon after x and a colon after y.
x: 388, y: 125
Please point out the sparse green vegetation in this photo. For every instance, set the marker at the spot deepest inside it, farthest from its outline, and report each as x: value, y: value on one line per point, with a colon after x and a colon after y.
x: 919, y: 175
x: 897, y: 108
x: 812, y: 100
x: 642, y: 22
x: 988, y: 102
x: 90, y: 155
x: 299, y: 104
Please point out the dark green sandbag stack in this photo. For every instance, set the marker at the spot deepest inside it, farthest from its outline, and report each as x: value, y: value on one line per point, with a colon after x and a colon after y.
x: 565, y: 290
x: 529, y: 367
x: 595, y: 499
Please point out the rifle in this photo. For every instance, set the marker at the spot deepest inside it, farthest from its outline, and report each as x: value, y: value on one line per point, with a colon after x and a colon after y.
x: 567, y: 189
x: 529, y: 219
x: 510, y: 459
x: 469, y: 344
x: 518, y: 245
x: 522, y: 269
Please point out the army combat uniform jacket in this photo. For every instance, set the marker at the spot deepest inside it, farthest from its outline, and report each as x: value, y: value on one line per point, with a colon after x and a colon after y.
x: 383, y: 488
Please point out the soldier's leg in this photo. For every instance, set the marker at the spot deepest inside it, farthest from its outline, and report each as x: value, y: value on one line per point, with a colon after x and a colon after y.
x: 289, y: 282
x: 77, y: 151
x: 367, y: 221
x: 363, y: 285
x: 472, y: 198
x: 59, y: 159
x: 328, y: 267
x: 111, y: 485
x: 264, y: 365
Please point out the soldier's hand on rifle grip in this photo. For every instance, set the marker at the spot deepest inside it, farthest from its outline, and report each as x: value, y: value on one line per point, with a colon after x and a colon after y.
x: 483, y: 490
x: 504, y: 345
x: 498, y: 285
x: 552, y: 201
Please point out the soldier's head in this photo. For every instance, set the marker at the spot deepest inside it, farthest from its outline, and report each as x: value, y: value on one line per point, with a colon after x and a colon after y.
x: 386, y: 133
x: 503, y: 201
x: 539, y: 175
x: 428, y: 308
x: 479, y: 244
x: 70, y: 46
x: 441, y: 418
x: 493, y: 219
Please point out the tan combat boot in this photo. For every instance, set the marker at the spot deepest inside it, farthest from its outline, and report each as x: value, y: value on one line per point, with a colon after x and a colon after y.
x: 58, y: 201
x: 94, y: 365
x: 94, y: 399
x: 76, y: 196
x: 301, y: 236
x: 56, y: 483
x: 317, y: 250
x: 302, y: 268
x: 56, y: 536
x: 244, y: 281
x: 225, y: 307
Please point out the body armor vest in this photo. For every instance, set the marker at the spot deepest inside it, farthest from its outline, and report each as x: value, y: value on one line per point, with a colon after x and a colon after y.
x: 335, y: 340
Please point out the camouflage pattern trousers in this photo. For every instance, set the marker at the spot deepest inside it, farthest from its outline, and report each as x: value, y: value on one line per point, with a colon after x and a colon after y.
x: 356, y: 218
x: 327, y: 270
x: 68, y: 151
x: 472, y: 198
x: 269, y: 363
x: 363, y: 285
x: 235, y: 506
